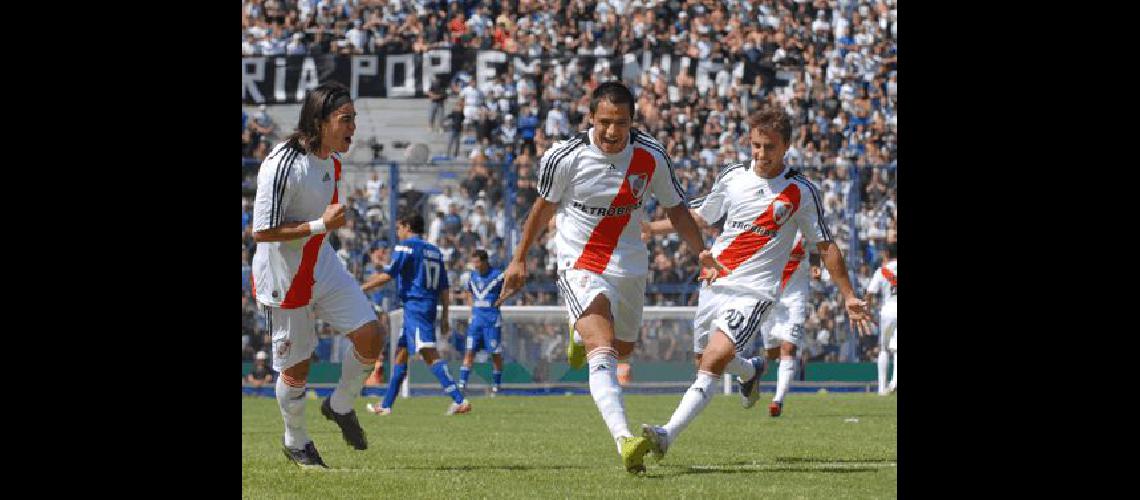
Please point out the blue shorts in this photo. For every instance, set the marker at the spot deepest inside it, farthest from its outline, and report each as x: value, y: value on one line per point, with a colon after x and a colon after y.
x: 485, y: 335
x: 419, y: 325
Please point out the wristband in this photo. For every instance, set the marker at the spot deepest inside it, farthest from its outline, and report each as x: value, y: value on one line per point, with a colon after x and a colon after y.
x: 317, y: 226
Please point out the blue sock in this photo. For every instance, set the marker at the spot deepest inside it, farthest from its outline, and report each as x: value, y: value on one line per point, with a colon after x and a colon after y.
x: 464, y: 374
x: 439, y: 368
x: 398, y: 373
x: 497, y: 376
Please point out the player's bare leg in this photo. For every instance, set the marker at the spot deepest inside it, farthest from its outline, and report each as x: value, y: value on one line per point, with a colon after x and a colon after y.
x: 596, y: 327
x: 399, y: 371
x: 439, y: 369
x: 787, y: 352
x: 716, y: 356
x: 355, y: 368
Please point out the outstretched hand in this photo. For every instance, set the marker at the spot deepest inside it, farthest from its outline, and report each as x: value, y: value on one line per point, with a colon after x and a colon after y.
x: 710, y: 267
x: 513, y: 280
x: 860, y: 317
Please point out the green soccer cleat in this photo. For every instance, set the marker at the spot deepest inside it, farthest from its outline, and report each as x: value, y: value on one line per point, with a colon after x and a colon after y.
x: 633, y: 450
x: 575, y: 354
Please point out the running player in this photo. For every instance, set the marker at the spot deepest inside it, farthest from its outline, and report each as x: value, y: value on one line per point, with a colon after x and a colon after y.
x: 296, y: 275
x: 486, y: 330
x: 765, y: 205
x: 885, y: 283
x: 596, y: 182
x: 783, y: 330
x: 417, y: 266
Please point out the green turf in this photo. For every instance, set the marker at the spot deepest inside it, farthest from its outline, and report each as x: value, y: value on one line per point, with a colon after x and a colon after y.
x: 555, y: 446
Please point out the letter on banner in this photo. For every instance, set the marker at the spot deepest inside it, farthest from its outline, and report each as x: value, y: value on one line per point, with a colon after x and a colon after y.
x: 249, y: 80
x: 484, y: 72
x: 308, y: 80
x: 279, y: 79
x: 406, y: 88
x: 431, y: 70
x: 362, y: 66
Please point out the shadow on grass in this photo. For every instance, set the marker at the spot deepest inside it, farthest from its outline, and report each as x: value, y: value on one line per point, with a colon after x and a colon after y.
x: 782, y: 465
x: 504, y: 467
x: 796, y: 460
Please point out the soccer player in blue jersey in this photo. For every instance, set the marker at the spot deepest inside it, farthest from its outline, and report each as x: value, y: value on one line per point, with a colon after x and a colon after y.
x: 485, y: 332
x: 417, y: 266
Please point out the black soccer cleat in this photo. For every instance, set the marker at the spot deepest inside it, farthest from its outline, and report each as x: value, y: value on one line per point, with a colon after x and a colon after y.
x: 306, y: 458
x: 349, y: 426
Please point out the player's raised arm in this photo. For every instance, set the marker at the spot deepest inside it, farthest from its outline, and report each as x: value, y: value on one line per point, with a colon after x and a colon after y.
x: 515, y: 275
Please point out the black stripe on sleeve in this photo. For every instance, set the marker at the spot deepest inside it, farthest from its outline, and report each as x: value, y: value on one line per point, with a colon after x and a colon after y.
x: 818, y: 206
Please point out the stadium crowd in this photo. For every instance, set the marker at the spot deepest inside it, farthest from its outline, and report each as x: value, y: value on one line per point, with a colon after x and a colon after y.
x: 842, y: 97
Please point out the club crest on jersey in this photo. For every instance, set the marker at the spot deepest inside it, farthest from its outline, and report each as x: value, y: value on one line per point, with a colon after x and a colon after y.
x: 326, y: 179
x: 781, y: 210
x: 637, y: 183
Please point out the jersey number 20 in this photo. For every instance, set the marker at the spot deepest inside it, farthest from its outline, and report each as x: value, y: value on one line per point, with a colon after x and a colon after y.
x: 431, y: 272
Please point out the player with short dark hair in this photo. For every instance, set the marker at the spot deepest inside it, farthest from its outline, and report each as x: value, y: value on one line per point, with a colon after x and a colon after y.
x: 485, y: 332
x: 421, y: 280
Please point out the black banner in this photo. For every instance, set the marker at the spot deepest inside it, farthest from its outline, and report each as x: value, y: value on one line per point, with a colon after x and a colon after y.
x: 285, y: 79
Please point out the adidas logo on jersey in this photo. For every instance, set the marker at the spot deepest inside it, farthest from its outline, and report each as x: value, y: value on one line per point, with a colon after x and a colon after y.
x: 326, y: 179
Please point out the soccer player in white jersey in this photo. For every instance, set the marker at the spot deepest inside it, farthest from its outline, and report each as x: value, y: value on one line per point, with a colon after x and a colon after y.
x: 296, y: 275
x: 596, y: 183
x: 885, y: 283
x: 783, y: 330
x: 764, y: 205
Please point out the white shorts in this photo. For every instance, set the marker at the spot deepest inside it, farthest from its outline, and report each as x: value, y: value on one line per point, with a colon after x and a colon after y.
x: 786, y: 323
x: 739, y: 317
x: 579, y: 288
x: 336, y: 300
x: 888, y: 328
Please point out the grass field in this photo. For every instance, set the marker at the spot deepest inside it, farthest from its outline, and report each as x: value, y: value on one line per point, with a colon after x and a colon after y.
x: 551, y: 446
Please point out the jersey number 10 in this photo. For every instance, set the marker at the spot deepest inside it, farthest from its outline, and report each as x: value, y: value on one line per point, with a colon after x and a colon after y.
x: 431, y: 273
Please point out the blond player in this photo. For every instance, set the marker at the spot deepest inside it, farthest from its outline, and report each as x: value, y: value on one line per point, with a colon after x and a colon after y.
x: 764, y: 206
x: 596, y: 184
x: 296, y: 275
x: 885, y: 283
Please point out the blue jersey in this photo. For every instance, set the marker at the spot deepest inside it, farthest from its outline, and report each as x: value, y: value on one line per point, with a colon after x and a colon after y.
x: 485, y: 290
x: 418, y: 269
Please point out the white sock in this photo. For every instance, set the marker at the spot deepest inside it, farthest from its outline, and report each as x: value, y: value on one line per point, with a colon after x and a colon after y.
x: 883, y: 360
x: 741, y: 368
x: 694, y: 400
x: 606, y: 391
x: 784, y: 378
x: 292, y: 403
x: 352, y: 375
x: 895, y: 370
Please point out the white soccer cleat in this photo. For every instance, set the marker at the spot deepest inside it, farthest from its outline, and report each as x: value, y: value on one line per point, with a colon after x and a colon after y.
x: 658, y: 437
x: 458, y: 408
x: 376, y: 409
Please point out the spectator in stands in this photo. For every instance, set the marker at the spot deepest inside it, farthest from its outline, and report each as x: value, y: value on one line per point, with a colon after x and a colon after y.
x: 296, y: 46
x: 455, y: 126
x: 452, y: 222
x: 260, y: 375
x: 438, y: 96
x: 527, y: 125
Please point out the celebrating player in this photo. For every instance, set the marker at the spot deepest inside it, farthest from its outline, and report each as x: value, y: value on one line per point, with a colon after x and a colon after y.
x: 765, y: 205
x: 297, y: 276
x: 421, y: 279
x: 885, y: 283
x: 486, y: 330
x: 596, y: 183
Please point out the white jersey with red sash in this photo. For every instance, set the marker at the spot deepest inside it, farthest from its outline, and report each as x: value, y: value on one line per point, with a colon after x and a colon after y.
x: 885, y: 283
x: 293, y: 187
x: 599, y: 199
x: 762, y: 219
